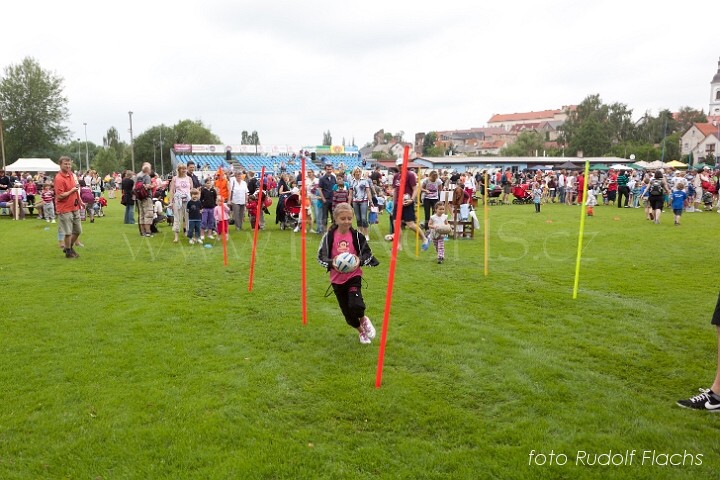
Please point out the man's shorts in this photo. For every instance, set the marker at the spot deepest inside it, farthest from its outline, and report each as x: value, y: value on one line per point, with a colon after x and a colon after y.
x: 69, y: 223
x: 408, y: 213
x: 145, y: 212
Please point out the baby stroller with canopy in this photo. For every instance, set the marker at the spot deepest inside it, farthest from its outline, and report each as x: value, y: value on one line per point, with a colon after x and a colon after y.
x: 522, y: 194
x: 292, y: 207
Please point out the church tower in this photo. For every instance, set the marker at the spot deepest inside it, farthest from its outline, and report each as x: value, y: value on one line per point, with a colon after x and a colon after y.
x: 715, y: 94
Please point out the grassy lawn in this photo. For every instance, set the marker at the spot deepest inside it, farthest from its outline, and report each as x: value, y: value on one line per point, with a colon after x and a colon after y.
x: 150, y: 360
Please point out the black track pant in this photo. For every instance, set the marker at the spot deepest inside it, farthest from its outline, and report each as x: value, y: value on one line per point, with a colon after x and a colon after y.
x: 350, y: 299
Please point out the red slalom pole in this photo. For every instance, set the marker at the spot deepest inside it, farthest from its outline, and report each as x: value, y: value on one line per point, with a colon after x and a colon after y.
x: 224, y: 239
x: 393, y: 261
x: 257, y: 228
x: 303, y: 239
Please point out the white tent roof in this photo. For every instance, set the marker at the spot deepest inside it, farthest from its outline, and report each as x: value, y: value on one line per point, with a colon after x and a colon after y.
x: 33, y: 165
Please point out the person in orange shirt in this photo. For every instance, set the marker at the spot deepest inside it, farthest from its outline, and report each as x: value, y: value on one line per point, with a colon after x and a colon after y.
x: 67, y: 205
x: 221, y: 184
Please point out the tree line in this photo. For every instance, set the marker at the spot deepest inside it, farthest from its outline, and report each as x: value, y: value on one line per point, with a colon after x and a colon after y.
x: 34, y: 114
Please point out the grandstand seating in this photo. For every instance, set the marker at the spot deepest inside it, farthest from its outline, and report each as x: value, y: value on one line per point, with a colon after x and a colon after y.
x: 256, y: 162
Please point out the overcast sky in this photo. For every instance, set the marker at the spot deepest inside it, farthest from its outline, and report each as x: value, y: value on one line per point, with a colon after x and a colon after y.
x: 291, y: 70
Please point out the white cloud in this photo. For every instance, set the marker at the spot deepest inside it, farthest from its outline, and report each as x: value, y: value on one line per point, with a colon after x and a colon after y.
x: 294, y: 69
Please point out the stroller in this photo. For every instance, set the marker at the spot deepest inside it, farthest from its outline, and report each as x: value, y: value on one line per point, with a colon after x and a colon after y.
x: 292, y: 212
x: 707, y: 199
x: 99, y: 205
x: 522, y: 194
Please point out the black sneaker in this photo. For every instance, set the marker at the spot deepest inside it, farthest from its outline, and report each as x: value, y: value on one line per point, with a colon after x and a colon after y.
x: 707, y: 400
x: 74, y: 253
x: 70, y: 253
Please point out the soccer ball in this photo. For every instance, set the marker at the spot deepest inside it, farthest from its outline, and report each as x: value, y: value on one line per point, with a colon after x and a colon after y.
x: 345, y: 262
x: 389, y: 237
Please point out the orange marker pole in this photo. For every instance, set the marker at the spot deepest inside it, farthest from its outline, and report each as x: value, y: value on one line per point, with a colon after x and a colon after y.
x: 303, y: 238
x: 224, y: 238
x: 257, y: 228
x: 393, y: 262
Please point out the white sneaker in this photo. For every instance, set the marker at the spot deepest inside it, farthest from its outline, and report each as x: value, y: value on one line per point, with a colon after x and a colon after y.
x: 53, y: 221
x: 202, y: 237
x: 297, y: 229
x: 192, y: 241
x: 211, y: 237
x: 368, y: 327
x: 364, y: 339
x: 48, y: 220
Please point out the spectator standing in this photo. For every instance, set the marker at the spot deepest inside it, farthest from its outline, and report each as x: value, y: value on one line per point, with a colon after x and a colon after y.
x: 623, y: 189
x: 208, y: 200
x: 67, y: 194
x: 180, y: 187
x: 146, y: 210
x: 191, y: 174
x: 360, y: 190
x: 238, y: 197
x: 325, y: 189
x: 126, y: 199
x: 431, y: 187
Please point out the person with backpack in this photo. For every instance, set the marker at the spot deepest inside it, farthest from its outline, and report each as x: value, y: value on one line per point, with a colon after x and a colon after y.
x: 143, y: 199
x: 86, y: 195
x: 656, y: 195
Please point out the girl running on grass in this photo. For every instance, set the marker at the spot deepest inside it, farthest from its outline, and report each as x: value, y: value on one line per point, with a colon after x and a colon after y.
x: 342, y: 238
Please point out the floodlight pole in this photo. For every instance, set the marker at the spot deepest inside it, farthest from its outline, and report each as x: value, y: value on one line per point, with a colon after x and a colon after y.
x: 132, y: 144
x: 87, y: 152
x: 2, y: 140
x: 162, y: 167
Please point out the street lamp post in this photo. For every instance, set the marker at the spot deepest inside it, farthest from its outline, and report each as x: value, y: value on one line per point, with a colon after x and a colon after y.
x: 87, y: 152
x: 79, y: 157
x: 132, y: 144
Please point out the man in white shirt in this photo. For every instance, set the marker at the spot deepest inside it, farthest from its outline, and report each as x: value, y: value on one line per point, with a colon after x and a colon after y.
x: 238, y: 196
x: 561, y: 184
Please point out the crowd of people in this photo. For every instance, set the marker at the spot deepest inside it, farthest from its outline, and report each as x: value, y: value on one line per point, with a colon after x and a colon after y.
x: 203, y: 207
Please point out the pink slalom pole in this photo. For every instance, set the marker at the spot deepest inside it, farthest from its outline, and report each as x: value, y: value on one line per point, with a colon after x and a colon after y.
x: 257, y: 228
x: 303, y: 239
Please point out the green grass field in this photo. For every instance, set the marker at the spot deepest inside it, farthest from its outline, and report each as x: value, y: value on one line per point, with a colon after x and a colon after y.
x: 149, y: 360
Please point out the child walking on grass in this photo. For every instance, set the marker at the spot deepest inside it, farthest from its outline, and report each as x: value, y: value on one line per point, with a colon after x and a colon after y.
x: 678, y: 201
x: 222, y: 218
x: 342, y: 238
x: 439, y: 219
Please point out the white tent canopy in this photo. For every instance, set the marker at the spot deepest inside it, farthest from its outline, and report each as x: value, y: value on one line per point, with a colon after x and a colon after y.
x: 33, y: 165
